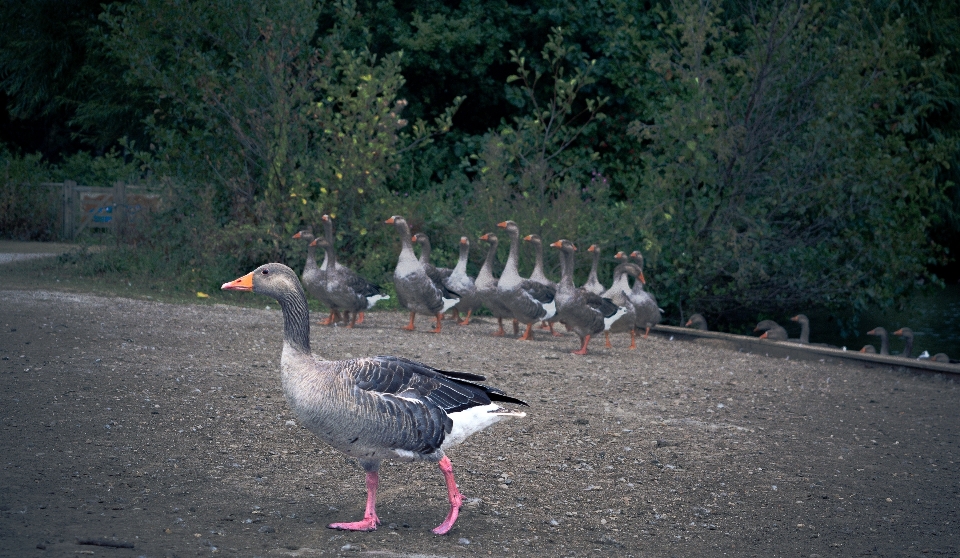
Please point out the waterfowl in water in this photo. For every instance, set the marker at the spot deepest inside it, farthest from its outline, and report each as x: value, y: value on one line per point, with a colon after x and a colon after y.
x: 621, y: 295
x: 346, y: 290
x: 884, y: 341
x: 528, y: 301
x: 907, y: 335
x: 593, y: 284
x: 375, y: 408
x: 464, y: 285
x: 415, y: 290
x: 771, y: 330
x: 538, y: 275
x: 697, y: 321
x: 315, y: 278
x: 486, y: 285
x: 584, y: 312
x: 648, y: 311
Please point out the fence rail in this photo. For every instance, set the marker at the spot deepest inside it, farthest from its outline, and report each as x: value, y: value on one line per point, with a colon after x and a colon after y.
x: 118, y: 208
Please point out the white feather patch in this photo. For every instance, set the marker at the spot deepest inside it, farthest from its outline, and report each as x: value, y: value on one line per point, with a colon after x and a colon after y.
x: 475, y: 419
x: 449, y: 303
x: 551, y: 308
x: 607, y: 322
x: 371, y: 300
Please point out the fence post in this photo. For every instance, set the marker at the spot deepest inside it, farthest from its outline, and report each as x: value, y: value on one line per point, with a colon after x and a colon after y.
x: 119, y: 210
x: 67, y: 225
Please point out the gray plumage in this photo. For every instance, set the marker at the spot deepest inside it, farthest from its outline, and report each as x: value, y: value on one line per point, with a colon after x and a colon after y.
x: 804, y: 328
x: 528, y: 301
x: 486, y: 284
x: 884, y: 340
x: 771, y: 330
x: 697, y: 321
x: 907, y: 334
x: 415, y: 290
x: 583, y: 312
x: 346, y: 290
x: 462, y: 284
x: 438, y: 275
x: 648, y: 311
x: 378, y: 407
x: 593, y: 284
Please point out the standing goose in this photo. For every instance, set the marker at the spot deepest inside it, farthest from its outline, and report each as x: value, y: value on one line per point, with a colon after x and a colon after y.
x: 486, y: 285
x: 907, y: 335
x: 697, y: 321
x: 648, y: 311
x: 528, y: 300
x: 804, y: 328
x: 884, y: 341
x: 315, y: 278
x: 539, y: 276
x: 464, y: 285
x: 620, y: 293
x: 584, y: 312
x: 593, y: 284
x: 372, y: 293
x: 771, y: 330
x: 346, y: 290
x: 415, y: 290
x: 375, y: 408
x: 438, y: 275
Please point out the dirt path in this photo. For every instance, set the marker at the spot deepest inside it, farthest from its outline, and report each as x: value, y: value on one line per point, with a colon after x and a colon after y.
x: 163, y: 427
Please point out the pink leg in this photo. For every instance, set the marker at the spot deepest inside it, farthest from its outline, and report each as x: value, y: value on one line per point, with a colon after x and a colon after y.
x: 516, y: 327
x: 456, y: 499
x: 370, y: 519
x: 360, y: 318
x: 499, y: 332
x: 552, y: 332
x: 583, y: 349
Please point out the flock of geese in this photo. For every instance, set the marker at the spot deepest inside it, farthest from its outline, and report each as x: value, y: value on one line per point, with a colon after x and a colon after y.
x: 389, y: 407
x: 773, y: 331
x: 423, y: 288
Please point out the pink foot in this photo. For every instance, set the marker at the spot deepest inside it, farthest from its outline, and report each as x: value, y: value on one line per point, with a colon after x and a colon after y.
x: 456, y: 499
x: 366, y: 524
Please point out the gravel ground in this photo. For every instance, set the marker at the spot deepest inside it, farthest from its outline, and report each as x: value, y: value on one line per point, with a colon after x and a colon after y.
x: 160, y: 430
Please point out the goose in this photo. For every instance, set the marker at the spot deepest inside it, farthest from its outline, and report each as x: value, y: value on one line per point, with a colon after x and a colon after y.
x: 804, y: 328
x: 620, y: 293
x: 375, y: 408
x: 346, y: 290
x: 486, y: 285
x: 869, y: 350
x: 697, y: 321
x: 907, y: 335
x: 461, y: 283
x: 528, y: 301
x: 328, y: 236
x: 438, y: 275
x: 538, y: 275
x: 648, y: 311
x: 315, y: 278
x: 771, y: 330
x: 415, y: 290
x: 884, y: 341
x: 593, y: 284
x: 584, y: 312
x: 940, y: 357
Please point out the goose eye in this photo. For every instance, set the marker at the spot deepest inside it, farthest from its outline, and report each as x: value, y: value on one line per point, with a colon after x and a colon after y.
x: 265, y: 272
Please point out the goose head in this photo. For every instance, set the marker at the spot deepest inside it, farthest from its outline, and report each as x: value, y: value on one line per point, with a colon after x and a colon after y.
x: 273, y: 279
x: 564, y: 245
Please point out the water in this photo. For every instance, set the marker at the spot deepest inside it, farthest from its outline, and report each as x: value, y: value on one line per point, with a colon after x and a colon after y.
x: 934, y: 318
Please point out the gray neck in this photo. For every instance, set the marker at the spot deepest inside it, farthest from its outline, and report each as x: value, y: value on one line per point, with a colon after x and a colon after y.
x: 425, y: 252
x: 462, y: 260
x: 804, y: 331
x: 296, y: 319
x: 538, y: 274
x: 511, y: 275
x: 566, y: 270
x: 592, y: 278
x: 486, y: 272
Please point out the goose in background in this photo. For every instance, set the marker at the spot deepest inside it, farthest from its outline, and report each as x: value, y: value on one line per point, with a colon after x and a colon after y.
x: 375, y: 408
x: 648, y: 311
x: 771, y: 330
x: 585, y: 313
x: 907, y: 334
x: 941, y: 357
x: 538, y: 276
x: 438, y: 275
x: 697, y: 321
x: 804, y: 328
x: 621, y: 295
x: 593, y: 284
x: 346, y: 290
x: 869, y: 350
x: 528, y: 301
x: 486, y: 285
x: 415, y: 290
x: 884, y: 341
x: 464, y: 285
x: 315, y: 278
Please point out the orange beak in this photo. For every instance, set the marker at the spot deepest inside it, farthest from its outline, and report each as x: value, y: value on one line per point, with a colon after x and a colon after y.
x: 642, y: 278
x: 502, y: 225
x: 485, y: 237
x: 528, y: 238
x: 389, y: 221
x: 764, y: 336
x: 314, y: 243
x: 296, y: 235
x: 463, y: 240
x: 898, y: 332
x: 556, y: 244
x: 620, y: 256
x: 413, y: 238
x: 592, y: 248
x: 325, y: 217
x: 689, y: 322
x: 244, y: 283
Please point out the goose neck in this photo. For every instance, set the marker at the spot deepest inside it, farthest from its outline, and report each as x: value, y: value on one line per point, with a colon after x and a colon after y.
x: 296, y: 320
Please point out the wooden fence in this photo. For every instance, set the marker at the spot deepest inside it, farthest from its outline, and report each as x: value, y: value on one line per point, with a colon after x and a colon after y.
x: 117, y: 209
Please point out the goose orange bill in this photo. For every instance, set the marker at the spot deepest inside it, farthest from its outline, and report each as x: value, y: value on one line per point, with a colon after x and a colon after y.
x: 298, y: 235
x: 244, y: 283
x: 592, y: 248
x: 528, y: 238
x: 389, y: 221
x: 324, y: 217
x: 314, y: 242
x: 463, y: 240
x: 485, y: 237
x: 502, y: 224
x: 642, y: 279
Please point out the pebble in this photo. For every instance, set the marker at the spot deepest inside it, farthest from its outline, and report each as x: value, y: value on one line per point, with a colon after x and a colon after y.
x: 554, y: 522
x: 348, y: 547
x: 290, y: 423
x: 463, y: 540
x: 267, y: 529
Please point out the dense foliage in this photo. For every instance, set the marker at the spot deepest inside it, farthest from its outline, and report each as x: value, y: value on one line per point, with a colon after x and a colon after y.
x: 763, y: 155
